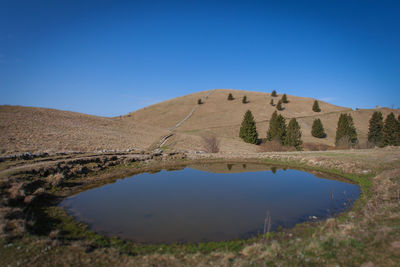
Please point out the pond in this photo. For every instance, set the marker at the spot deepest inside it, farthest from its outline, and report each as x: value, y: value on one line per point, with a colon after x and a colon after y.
x: 209, y: 202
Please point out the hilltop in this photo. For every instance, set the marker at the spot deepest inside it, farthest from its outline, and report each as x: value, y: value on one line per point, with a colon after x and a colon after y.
x: 41, y: 129
x: 222, y: 118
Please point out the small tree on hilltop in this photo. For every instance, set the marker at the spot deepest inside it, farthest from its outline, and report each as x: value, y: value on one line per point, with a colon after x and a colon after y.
x: 346, y: 130
x: 248, y: 130
x: 271, y: 133
x: 318, y: 129
x: 274, y: 94
x: 293, y: 134
x: 279, y: 105
x: 272, y: 102
x: 284, y: 99
x: 390, y: 131
x: 244, y: 100
x: 199, y: 102
x: 230, y: 96
x: 315, y: 107
x: 375, y: 133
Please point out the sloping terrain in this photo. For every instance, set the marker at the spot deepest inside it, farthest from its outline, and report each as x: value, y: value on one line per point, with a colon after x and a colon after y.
x: 39, y: 129
x: 217, y: 111
x: 221, y: 117
x: 30, y: 129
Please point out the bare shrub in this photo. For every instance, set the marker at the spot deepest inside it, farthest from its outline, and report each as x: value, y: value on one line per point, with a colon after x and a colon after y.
x: 276, y: 146
x: 344, y: 142
x: 365, y: 145
x: 315, y: 147
x: 210, y: 144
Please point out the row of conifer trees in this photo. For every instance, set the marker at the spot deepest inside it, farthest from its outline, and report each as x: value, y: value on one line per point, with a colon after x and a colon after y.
x: 381, y: 133
x: 289, y: 135
x: 384, y: 133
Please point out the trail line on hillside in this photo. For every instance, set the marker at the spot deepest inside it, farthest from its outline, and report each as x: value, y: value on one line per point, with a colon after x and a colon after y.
x: 191, y: 112
x: 165, y: 138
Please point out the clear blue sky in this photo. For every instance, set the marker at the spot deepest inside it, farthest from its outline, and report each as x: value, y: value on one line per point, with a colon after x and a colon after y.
x: 112, y: 57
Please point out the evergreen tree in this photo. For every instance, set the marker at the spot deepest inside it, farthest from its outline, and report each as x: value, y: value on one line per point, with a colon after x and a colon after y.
x: 315, y: 107
x: 318, y: 129
x: 375, y: 133
x: 390, y: 131
x: 277, y: 128
x: 244, y: 100
x: 271, y: 133
x: 279, y: 105
x: 280, y: 126
x: 398, y: 130
x: 199, y: 101
x: 272, y: 102
x: 346, y: 130
x: 248, y: 131
x: 274, y: 94
x: 293, y: 134
x: 230, y: 96
x: 284, y: 99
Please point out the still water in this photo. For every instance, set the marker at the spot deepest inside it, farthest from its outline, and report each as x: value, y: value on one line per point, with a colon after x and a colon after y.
x: 208, y: 202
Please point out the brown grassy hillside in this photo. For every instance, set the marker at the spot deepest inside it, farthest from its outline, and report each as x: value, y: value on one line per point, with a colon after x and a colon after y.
x: 222, y: 117
x: 217, y: 111
x: 40, y: 129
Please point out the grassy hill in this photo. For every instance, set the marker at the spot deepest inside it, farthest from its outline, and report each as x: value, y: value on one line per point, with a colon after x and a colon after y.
x: 221, y: 117
x: 40, y: 129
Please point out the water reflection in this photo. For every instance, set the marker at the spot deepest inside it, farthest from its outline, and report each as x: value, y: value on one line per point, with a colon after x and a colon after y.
x: 209, y: 202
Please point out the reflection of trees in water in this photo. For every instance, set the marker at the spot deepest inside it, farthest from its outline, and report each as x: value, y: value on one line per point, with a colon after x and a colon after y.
x: 170, y: 169
x: 273, y: 169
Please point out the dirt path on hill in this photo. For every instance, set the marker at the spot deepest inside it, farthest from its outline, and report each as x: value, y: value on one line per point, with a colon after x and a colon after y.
x: 191, y: 112
x: 165, y: 138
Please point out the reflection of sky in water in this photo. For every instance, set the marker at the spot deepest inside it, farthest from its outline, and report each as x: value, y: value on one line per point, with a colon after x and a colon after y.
x: 193, y: 205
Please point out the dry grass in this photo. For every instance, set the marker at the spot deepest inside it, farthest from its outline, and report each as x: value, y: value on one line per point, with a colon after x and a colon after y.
x: 222, y: 118
x: 271, y: 146
x: 366, y: 236
x: 316, y: 147
x: 39, y: 129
